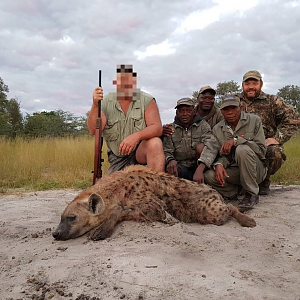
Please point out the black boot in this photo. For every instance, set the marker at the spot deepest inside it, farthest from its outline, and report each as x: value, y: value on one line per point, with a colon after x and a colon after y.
x: 230, y: 199
x: 248, y: 202
x: 264, y: 187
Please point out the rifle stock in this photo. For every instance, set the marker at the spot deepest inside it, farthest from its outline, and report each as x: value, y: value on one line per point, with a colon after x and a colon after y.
x: 98, y: 143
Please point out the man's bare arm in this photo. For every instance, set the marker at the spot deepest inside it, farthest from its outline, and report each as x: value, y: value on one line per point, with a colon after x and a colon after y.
x: 153, y: 129
x: 93, y: 115
x: 153, y: 122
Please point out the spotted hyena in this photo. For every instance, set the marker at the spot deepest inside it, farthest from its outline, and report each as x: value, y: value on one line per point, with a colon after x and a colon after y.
x: 140, y: 194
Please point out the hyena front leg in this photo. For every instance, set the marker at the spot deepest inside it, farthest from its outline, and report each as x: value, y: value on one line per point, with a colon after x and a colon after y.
x: 106, y: 228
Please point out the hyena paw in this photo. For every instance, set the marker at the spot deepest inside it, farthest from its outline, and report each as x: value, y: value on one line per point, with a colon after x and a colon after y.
x: 169, y: 219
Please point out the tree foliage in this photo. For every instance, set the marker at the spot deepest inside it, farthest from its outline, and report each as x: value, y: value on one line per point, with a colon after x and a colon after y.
x: 195, y: 96
x: 227, y: 87
x: 11, y: 119
x: 223, y: 88
x: 54, y: 124
x: 3, y: 90
x: 291, y: 94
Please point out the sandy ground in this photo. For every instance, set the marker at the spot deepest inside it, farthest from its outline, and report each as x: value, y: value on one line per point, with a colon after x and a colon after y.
x: 150, y: 261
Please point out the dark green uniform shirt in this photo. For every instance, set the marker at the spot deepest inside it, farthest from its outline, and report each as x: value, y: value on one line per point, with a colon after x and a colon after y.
x: 181, y: 145
x: 248, y: 131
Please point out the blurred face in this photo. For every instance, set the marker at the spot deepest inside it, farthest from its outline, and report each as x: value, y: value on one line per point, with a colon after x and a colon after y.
x: 206, y: 101
x: 231, y: 114
x: 185, y: 114
x: 126, y: 84
x: 252, y: 88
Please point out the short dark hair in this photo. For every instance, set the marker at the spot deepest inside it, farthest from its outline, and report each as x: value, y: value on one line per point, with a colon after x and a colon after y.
x: 126, y: 69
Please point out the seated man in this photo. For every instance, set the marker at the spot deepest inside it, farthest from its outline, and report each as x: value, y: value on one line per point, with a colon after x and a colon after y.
x: 241, y: 160
x: 131, y: 124
x: 192, y: 142
x: 205, y: 108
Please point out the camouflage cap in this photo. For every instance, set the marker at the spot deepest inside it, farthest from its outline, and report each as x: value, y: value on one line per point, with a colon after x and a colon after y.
x: 252, y: 74
x: 230, y: 100
x: 185, y: 101
x: 207, y: 88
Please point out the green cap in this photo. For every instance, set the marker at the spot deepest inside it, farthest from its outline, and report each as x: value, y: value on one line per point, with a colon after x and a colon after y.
x: 230, y: 100
x: 253, y: 75
x: 185, y: 101
x: 207, y: 88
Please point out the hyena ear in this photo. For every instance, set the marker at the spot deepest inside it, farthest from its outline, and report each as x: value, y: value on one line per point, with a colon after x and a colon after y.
x: 96, y: 204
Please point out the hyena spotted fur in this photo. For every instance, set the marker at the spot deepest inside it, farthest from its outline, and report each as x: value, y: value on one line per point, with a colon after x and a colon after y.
x: 140, y: 194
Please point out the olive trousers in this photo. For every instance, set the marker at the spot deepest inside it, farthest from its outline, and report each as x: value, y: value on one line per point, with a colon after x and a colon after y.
x: 247, y: 171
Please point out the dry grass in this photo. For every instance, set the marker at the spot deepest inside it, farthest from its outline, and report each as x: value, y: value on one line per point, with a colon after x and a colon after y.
x: 47, y: 163
x: 40, y: 164
x: 289, y: 173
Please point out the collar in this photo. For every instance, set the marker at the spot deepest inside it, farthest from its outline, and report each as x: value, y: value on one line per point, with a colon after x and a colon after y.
x: 211, y: 113
x: 135, y: 97
x: 196, y: 121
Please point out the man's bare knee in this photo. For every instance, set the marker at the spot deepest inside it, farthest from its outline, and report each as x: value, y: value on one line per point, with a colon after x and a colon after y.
x: 150, y: 150
x: 154, y: 144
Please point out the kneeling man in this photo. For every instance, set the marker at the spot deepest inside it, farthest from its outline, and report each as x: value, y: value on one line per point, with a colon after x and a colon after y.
x: 241, y: 159
x: 131, y: 124
x: 192, y: 147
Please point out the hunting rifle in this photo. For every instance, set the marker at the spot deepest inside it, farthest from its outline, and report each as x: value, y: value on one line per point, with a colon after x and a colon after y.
x: 98, y: 143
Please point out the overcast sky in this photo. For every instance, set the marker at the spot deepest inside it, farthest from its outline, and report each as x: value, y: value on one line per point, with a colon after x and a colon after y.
x: 51, y: 50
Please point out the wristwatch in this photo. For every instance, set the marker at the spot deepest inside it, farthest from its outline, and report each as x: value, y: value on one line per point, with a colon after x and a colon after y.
x: 235, y: 140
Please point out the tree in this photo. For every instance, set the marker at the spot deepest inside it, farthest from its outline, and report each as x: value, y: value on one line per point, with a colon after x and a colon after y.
x: 40, y: 124
x: 3, y: 90
x: 223, y: 88
x: 195, y: 96
x: 5, y: 129
x: 291, y: 94
x: 45, y: 123
x: 227, y: 87
x: 82, y: 127
x: 4, y: 117
x: 16, y: 118
x: 11, y: 120
x: 54, y: 124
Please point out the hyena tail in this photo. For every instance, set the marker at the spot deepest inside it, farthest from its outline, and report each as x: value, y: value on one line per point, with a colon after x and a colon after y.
x: 243, y: 219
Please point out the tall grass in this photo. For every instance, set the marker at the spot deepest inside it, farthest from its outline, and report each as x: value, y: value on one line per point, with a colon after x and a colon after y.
x: 47, y: 163
x: 289, y: 173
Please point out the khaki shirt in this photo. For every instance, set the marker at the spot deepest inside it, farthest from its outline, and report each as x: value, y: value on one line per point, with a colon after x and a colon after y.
x: 249, y: 131
x: 120, y: 125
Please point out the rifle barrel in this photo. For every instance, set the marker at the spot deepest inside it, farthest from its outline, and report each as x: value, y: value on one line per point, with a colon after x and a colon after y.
x: 98, y: 142
x: 99, y: 102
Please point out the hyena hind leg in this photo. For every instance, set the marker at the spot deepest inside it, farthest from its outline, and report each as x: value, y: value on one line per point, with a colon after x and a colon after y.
x: 219, y: 215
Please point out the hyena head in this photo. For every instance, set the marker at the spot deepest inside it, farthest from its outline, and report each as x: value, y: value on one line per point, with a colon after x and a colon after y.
x: 79, y: 217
